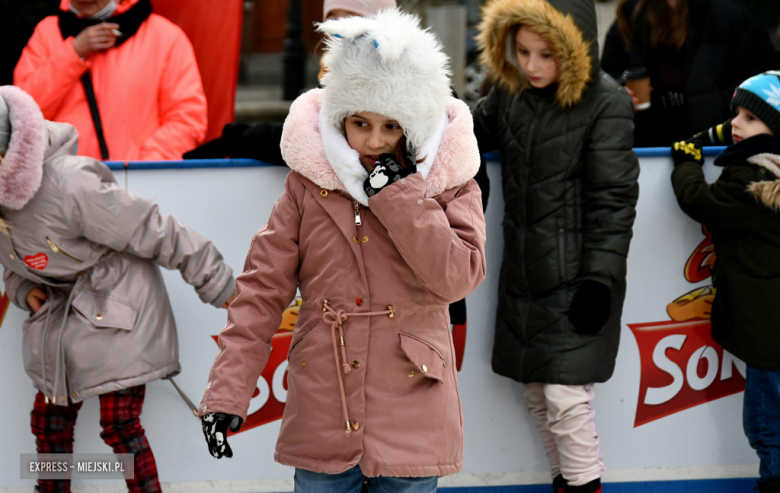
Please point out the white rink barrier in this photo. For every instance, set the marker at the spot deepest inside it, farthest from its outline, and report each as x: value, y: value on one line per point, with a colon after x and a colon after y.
x: 672, y: 411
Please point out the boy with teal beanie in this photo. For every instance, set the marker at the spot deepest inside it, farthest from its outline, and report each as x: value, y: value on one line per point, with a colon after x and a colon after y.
x: 741, y: 208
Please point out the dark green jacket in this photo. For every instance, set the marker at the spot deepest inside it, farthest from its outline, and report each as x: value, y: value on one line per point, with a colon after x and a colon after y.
x: 569, y: 178
x: 740, y: 208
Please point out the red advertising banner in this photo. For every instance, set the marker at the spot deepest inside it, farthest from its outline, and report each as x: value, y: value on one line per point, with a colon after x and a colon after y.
x: 682, y: 366
x: 214, y: 29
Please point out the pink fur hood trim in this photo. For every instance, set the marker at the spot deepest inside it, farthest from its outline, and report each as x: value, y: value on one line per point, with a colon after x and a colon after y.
x: 21, y: 170
x: 451, y: 156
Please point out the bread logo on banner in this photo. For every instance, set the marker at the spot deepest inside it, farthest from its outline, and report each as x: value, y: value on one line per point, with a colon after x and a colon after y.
x: 682, y: 366
x: 270, y: 395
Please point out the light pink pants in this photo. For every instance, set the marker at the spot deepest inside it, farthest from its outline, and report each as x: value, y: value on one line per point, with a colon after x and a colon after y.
x: 566, y: 422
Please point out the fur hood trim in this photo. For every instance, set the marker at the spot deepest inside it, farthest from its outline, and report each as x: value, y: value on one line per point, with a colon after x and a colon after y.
x: 570, y: 50
x: 768, y: 192
x: 316, y: 149
x: 387, y: 65
x: 21, y: 170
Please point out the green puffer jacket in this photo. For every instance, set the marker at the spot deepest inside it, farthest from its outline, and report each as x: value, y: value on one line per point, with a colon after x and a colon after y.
x: 741, y: 207
x: 569, y: 177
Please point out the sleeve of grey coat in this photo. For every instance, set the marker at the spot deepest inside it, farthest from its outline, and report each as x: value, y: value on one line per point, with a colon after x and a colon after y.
x: 263, y: 291
x: 611, y: 190
x: 17, y: 288
x: 108, y: 214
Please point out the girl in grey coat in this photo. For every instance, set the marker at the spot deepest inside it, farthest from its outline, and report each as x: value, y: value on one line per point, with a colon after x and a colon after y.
x: 81, y: 254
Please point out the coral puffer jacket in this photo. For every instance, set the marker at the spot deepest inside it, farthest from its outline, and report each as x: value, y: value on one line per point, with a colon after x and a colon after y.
x: 377, y: 274
x: 148, y: 89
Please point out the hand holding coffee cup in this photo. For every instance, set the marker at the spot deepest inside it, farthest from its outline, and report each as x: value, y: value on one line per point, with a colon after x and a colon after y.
x: 637, y: 82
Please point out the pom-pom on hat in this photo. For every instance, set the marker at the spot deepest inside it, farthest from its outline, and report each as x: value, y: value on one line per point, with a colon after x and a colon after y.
x: 360, y: 7
x: 761, y: 95
x: 385, y: 64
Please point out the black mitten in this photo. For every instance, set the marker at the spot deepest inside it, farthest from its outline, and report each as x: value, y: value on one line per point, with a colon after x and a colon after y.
x: 687, y: 151
x: 386, y: 172
x: 215, y: 426
x: 590, y: 308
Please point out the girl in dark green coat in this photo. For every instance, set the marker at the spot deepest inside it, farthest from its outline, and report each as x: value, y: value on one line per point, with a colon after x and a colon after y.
x: 565, y: 132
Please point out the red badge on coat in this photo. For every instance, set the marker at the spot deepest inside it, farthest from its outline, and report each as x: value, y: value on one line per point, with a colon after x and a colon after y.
x: 37, y: 261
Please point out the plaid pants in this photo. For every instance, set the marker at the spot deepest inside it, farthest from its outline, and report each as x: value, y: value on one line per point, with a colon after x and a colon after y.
x: 53, y: 426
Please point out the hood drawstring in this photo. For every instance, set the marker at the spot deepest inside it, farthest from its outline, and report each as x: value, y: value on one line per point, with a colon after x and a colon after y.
x: 336, y: 320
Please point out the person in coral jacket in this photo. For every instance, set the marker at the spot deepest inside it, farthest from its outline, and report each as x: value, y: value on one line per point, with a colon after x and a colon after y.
x: 147, y: 88
x: 381, y: 227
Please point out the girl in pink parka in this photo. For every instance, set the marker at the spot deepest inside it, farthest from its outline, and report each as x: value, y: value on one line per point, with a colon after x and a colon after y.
x: 380, y: 226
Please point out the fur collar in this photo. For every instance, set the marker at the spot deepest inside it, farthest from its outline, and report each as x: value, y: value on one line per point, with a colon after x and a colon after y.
x: 570, y: 51
x: 319, y: 151
x: 768, y: 192
x: 21, y: 170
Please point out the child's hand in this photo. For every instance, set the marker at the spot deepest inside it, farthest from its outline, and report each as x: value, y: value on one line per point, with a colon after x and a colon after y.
x: 215, y: 426
x: 687, y: 151
x: 35, y: 299
x: 386, y: 172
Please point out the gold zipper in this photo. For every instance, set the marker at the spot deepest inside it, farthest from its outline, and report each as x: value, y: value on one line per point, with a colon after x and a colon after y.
x: 358, y: 222
x: 57, y: 249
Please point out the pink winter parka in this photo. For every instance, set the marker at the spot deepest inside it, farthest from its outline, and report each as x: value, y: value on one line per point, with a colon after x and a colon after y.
x: 376, y: 273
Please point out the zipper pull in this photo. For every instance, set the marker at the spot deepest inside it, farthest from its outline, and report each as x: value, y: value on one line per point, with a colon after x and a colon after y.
x: 358, y: 222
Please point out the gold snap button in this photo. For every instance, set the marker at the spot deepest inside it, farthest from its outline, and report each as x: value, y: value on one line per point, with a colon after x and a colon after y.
x: 365, y: 239
x: 356, y: 364
x: 357, y: 239
x: 303, y: 364
x: 99, y: 317
x: 73, y: 395
x: 323, y: 193
x: 63, y: 397
x: 355, y: 425
x: 411, y: 374
x: 425, y: 368
x: 12, y: 256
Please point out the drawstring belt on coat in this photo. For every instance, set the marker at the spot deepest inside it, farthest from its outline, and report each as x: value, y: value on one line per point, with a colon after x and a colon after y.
x: 336, y: 320
x: 60, y: 356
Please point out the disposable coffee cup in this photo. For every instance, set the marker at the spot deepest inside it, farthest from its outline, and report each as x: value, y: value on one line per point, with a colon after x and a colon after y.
x: 638, y: 80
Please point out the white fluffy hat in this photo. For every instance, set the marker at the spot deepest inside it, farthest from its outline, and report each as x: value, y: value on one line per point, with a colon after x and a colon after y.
x: 360, y: 7
x: 385, y: 64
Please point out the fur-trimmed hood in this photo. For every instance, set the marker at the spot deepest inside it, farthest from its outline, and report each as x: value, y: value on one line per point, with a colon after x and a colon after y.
x: 21, y: 170
x: 768, y: 192
x: 319, y: 151
x: 567, y: 26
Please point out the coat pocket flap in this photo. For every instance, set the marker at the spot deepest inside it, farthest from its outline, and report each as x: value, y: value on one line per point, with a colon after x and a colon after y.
x: 104, y: 311
x: 425, y: 356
